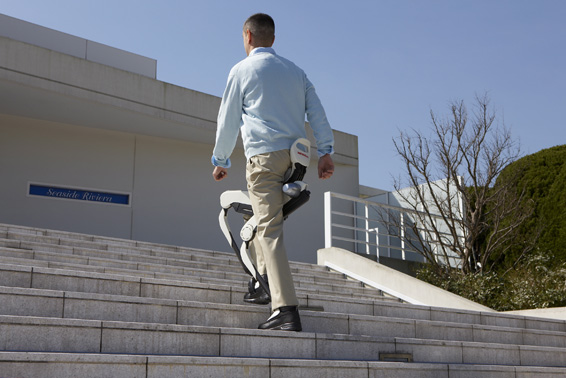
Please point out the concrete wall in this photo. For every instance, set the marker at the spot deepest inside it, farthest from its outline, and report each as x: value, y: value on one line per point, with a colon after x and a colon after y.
x: 174, y: 199
x: 49, y: 153
x: 79, y: 47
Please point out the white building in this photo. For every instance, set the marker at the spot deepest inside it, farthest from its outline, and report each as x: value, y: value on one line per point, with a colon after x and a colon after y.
x: 91, y: 141
x: 396, y: 219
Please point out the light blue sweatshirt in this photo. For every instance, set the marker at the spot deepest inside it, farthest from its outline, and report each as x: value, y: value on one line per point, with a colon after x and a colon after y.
x: 267, y: 96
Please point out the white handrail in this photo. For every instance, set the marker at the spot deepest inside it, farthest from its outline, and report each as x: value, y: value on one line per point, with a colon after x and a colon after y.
x: 349, y: 221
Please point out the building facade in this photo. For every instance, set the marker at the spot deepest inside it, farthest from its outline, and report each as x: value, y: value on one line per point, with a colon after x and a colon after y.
x: 91, y: 141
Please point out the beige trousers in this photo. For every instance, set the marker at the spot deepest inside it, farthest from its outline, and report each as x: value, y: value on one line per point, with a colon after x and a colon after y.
x: 264, y: 175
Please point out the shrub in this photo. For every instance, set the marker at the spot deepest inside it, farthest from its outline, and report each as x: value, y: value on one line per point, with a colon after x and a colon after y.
x: 537, y: 283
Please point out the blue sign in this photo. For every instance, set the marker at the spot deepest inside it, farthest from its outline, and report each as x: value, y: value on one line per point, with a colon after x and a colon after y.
x: 78, y: 194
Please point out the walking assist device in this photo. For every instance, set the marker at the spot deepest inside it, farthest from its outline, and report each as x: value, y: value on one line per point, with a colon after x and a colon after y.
x: 239, y: 200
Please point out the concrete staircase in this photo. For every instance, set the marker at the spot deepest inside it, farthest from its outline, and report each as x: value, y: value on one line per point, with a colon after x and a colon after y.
x: 74, y: 305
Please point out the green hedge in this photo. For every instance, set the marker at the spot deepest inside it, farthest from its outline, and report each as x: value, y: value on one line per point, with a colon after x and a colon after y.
x: 544, y: 178
x: 538, y: 280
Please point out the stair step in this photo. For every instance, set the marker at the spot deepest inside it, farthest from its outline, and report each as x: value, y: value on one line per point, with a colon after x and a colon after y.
x: 101, y: 283
x: 110, y: 337
x: 88, y: 306
x: 72, y: 262
x: 303, y: 273
x: 66, y: 365
x: 85, y: 305
x: 54, y: 238
x: 192, y: 259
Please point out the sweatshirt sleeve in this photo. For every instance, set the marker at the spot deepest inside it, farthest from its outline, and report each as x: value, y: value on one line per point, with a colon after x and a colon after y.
x: 228, y: 122
x: 318, y: 121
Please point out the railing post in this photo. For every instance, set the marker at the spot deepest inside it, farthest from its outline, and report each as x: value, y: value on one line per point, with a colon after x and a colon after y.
x: 403, y: 257
x: 377, y: 242
x: 367, y: 228
x: 327, y: 220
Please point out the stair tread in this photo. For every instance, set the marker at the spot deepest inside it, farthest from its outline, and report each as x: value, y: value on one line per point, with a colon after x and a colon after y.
x: 96, y: 365
x: 349, y: 322
x: 47, y: 259
x: 101, y: 298
x: 123, y: 258
x: 96, y: 336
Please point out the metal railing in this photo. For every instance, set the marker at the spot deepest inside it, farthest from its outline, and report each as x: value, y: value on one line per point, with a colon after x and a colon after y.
x: 366, y: 227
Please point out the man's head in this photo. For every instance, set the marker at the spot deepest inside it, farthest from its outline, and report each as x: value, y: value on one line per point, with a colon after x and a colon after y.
x: 259, y: 31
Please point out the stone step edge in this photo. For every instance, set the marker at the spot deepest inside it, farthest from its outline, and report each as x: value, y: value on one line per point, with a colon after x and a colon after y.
x: 136, y: 284
x: 68, y: 235
x: 340, y: 323
x: 134, y: 265
x: 194, y: 256
x: 301, y: 287
x: 134, y: 287
x: 147, y: 366
x: 89, y: 336
x: 128, y: 242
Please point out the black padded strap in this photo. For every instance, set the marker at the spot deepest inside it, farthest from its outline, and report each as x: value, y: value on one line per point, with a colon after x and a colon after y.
x: 294, y: 203
x: 298, y: 173
x: 243, y: 208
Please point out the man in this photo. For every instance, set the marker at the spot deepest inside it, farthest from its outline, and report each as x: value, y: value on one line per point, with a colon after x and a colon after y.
x: 267, y: 97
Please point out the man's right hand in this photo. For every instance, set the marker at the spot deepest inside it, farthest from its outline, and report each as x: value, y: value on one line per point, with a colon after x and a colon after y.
x: 219, y: 173
x: 325, y: 167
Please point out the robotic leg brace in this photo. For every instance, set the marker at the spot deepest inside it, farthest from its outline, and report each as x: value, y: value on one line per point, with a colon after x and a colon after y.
x: 239, y: 201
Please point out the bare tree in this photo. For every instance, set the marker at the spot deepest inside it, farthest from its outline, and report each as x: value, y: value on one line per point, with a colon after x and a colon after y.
x: 459, y: 216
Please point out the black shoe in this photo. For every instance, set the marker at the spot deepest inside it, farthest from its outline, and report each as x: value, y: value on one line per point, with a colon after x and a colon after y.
x: 256, y: 294
x: 285, y: 319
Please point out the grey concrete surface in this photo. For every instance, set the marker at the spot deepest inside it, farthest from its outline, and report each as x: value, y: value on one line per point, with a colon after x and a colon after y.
x: 391, y: 281
x: 146, y: 327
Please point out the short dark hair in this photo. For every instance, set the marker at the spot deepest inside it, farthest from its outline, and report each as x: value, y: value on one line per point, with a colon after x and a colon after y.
x: 262, y: 26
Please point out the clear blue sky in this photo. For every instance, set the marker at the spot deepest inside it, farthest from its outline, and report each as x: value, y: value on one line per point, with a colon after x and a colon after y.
x: 379, y: 66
